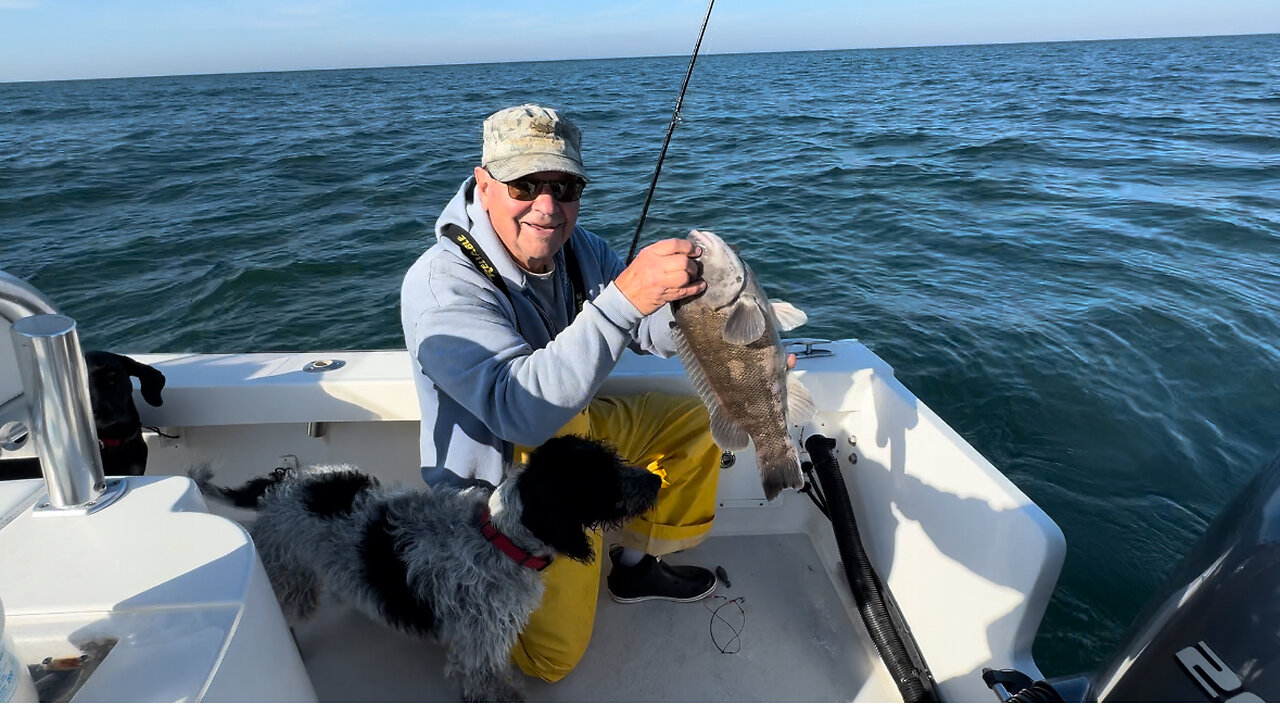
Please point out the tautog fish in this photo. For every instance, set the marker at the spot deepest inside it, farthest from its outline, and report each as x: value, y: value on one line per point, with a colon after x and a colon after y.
x: 727, y: 338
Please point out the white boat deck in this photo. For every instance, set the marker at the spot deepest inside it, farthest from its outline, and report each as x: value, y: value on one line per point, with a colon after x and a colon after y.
x: 798, y: 642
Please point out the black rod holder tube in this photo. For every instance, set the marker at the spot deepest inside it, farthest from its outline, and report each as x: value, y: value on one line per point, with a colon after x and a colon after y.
x: 896, y: 647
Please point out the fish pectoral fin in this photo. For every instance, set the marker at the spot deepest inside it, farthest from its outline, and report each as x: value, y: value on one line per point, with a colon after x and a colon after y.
x: 788, y: 316
x: 800, y: 406
x: 746, y: 322
x: 727, y: 434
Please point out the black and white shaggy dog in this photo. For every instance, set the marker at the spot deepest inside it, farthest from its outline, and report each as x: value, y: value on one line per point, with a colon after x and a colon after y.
x: 462, y: 566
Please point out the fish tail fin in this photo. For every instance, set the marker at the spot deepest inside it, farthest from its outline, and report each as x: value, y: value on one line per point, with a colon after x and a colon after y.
x: 778, y: 472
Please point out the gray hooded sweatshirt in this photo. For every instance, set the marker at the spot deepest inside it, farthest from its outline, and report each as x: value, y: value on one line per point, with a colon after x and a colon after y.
x: 491, y: 370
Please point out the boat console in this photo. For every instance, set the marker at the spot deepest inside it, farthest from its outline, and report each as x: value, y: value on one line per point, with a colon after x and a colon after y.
x: 122, y: 589
x: 150, y: 599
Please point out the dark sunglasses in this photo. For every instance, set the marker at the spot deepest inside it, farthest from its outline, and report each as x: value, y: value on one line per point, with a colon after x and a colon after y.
x: 562, y: 190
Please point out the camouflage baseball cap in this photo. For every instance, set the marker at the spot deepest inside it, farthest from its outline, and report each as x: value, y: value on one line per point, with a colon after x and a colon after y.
x: 529, y: 138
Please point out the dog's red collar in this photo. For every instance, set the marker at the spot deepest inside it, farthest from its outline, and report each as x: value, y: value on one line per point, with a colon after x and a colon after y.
x: 117, y: 442
x: 513, y: 551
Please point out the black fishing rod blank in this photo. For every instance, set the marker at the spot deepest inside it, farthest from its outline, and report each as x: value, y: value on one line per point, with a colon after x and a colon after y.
x: 671, y: 128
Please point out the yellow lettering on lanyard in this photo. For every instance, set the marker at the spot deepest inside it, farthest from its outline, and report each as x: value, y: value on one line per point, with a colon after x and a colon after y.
x: 485, y: 267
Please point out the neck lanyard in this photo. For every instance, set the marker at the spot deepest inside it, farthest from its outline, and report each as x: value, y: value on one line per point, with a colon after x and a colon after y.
x: 482, y: 262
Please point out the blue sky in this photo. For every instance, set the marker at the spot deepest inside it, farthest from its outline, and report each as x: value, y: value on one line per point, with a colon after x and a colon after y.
x: 56, y: 39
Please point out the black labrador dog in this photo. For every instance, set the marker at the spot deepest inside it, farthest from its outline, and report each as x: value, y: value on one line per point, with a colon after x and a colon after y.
x: 115, y: 416
x: 124, y: 452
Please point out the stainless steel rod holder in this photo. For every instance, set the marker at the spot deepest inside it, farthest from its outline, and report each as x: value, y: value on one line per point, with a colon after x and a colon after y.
x: 56, y: 386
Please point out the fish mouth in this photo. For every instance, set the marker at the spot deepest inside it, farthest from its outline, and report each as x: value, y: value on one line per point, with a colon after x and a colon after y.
x: 699, y: 239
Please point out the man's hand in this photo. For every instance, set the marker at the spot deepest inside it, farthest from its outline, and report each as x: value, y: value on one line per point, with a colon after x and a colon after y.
x: 662, y: 272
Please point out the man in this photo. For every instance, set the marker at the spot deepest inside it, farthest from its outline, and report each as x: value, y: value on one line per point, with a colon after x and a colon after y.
x: 514, y: 318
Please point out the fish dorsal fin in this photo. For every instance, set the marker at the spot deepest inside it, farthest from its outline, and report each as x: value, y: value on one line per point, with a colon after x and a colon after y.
x: 726, y: 434
x: 788, y: 316
x: 800, y: 406
x: 746, y: 321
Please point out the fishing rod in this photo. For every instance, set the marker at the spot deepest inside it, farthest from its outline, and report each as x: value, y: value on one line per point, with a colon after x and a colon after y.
x: 671, y: 128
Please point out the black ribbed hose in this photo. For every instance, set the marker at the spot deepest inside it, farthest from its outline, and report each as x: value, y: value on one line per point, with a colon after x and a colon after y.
x: 1039, y: 692
x: 896, y: 648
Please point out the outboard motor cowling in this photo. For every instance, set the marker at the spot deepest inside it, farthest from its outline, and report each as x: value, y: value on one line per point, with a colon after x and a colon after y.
x: 1212, y: 633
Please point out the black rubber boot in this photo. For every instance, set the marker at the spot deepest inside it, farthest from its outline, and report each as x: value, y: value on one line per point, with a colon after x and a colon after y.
x: 651, y: 578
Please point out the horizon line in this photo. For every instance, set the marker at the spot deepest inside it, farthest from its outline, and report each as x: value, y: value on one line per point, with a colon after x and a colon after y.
x: 640, y: 56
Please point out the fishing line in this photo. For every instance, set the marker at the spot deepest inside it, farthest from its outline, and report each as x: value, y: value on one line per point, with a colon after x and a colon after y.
x: 671, y: 128
x: 813, y: 489
x: 733, y: 645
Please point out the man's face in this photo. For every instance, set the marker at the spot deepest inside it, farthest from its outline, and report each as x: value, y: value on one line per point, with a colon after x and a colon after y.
x: 533, y: 231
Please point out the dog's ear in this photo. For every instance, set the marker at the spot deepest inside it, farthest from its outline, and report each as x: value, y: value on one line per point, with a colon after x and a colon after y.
x: 567, y: 539
x: 552, y: 510
x: 582, y: 551
x: 552, y: 518
x: 149, y: 378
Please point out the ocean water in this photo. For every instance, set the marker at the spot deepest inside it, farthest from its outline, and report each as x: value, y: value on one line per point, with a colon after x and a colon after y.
x: 1070, y: 251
